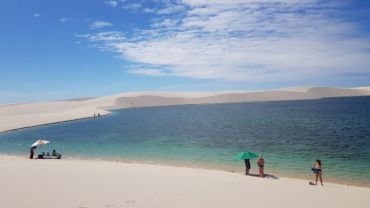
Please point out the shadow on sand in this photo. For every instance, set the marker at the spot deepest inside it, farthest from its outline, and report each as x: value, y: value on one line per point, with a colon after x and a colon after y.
x: 266, y: 176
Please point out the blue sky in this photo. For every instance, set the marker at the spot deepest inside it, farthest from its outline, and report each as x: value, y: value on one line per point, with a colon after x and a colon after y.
x: 62, y: 49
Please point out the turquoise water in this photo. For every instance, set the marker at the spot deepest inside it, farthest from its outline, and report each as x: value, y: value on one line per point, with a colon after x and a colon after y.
x: 290, y: 135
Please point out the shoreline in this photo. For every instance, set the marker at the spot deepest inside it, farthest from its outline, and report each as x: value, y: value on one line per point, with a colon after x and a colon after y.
x: 128, y: 162
x: 52, y: 123
x: 82, y: 183
x: 275, y: 174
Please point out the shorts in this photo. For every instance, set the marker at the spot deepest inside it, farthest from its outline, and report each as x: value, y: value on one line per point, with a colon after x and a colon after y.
x: 316, y: 170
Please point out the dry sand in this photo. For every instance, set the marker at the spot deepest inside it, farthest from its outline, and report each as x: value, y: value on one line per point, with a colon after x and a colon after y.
x: 77, y: 183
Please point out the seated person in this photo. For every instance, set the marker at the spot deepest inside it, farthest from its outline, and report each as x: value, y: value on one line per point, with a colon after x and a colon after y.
x: 57, y: 155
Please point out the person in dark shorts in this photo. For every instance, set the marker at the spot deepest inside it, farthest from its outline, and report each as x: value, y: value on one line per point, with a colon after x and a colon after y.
x: 317, y: 170
x: 32, y: 152
x: 261, y: 164
x: 247, y: 166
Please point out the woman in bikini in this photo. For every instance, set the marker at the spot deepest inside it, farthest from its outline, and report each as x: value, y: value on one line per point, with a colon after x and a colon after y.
x: 261, y: 163
x: 317, y: 170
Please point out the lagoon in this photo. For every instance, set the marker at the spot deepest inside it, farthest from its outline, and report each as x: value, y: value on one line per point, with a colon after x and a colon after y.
x: 289, y: 134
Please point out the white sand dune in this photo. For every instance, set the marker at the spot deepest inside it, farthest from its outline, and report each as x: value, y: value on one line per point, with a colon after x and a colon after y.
x: 93, y: 184
x: 361, y: 88
x: 16, y: 116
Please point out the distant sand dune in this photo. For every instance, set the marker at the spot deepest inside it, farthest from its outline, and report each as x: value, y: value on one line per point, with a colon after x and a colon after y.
x: 278, y: 95
x: 326, y: 92
x: 150, y: 100
x: 16, y: 116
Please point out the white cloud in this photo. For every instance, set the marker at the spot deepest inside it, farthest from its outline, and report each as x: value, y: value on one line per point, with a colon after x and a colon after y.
x: 134, y: 6
x: 108, y: 37
x: 149, y: 10
x: 112, y: 3
x: 149, y: 72
x: 64, y: 19
x: 250, y: 40
x: 171, y: 9
x: 165, y: 23
x: 36, y: 15
x: 100, y: 24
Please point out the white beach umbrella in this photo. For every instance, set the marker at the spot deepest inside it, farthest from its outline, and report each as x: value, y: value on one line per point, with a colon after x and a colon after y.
x: 39, y: 142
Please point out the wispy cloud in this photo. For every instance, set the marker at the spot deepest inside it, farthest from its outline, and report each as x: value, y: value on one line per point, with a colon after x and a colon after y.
x: 149, y: 72
x: 36, y: 15
x: 108, y: 37
x: 112, y: 3
x: 149, y: 10
x: 134, y: 6
x: 170, y: 9
x: 64, y: 19
x: 250, y: 40
x: 100, y: 24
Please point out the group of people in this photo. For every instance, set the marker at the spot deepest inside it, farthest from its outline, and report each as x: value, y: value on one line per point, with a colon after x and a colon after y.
x: 317, y: 168
x: 43, y: 155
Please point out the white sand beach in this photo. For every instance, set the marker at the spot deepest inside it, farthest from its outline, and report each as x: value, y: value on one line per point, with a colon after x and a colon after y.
x: 78, y: 183
x: 17, y: 116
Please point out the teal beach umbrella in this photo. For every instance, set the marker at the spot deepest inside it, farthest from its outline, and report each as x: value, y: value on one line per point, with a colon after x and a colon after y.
x: 245, y: 155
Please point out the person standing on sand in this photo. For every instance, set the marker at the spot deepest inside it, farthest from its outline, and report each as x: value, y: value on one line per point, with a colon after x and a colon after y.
x: 247, y: 166
x: 261, y: 164
x: 32, y: 151
x: 317, y: 170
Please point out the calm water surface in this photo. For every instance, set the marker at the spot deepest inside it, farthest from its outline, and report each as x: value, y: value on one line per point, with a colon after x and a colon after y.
x: 290, y: 135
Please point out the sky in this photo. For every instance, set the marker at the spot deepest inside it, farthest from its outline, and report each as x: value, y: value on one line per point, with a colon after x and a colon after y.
x: 51, y: 50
